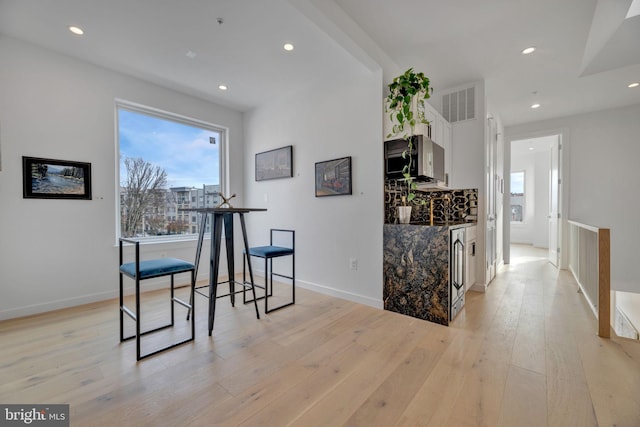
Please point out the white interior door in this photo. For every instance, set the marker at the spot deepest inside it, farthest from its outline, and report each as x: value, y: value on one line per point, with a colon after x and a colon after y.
x: 491, y: 180
x: 554, y: 197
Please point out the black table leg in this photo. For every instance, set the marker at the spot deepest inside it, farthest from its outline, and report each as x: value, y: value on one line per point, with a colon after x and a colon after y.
x: 228, y: 236
x: 214, y: 265
x: 246, y: 250
x: 203, y: 226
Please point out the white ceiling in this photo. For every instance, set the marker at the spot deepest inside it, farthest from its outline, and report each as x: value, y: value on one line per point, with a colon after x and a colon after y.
x: 526, y: 147
x: 587, y: 52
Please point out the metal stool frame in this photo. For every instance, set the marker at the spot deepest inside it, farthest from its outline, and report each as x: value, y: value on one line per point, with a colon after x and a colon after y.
x: 268, y: 271
x: 136, y: 315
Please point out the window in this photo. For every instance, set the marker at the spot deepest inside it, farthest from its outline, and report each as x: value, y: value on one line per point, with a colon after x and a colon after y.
x: 167, y: 163
x: 517, y: 196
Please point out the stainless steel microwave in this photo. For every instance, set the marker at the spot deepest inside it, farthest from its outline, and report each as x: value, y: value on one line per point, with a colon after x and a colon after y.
x: 427, y: 159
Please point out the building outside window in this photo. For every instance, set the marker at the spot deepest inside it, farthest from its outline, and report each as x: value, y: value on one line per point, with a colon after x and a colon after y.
x: 167, y: 165
x: 517, y: 196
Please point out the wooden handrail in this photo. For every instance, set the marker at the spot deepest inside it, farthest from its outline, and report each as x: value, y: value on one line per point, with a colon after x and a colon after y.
x: 603, y: 253
x: 604, y: 283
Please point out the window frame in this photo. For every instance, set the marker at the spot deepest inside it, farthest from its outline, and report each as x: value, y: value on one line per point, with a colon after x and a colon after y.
x: 524, y: 195
x: 174, y: 117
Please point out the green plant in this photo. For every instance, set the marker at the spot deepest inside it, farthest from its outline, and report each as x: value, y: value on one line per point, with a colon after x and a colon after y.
x: 405, y: 105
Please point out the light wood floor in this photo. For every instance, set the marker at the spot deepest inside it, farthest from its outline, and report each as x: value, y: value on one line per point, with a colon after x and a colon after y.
x: 524, y: 353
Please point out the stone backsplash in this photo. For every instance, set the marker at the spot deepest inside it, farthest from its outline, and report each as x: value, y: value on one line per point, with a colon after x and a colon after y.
x: 449, y: 205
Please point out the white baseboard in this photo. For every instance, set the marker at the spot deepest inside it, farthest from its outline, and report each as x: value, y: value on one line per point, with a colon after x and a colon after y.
x: 155, y: 284
x: 326, y: 290
x: 623, y: 326
x: 478, y: 288
x: 338, y: 293
x: 29, y: 310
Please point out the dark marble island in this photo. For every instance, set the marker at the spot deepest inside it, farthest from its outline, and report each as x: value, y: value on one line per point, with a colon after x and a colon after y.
x: 416, y: 255
x: 416, y: 271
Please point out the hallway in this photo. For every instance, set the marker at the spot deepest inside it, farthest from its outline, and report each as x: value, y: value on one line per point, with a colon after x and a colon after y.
x: 542, y: 342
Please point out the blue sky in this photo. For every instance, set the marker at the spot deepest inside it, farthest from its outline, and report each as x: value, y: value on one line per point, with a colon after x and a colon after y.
x: 517, y: 182
x: 183, y: 151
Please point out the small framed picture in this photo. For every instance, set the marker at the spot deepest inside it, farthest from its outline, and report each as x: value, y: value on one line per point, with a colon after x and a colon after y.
x: 275, y: 164
x: 55, y: 179
x: 333, y: 177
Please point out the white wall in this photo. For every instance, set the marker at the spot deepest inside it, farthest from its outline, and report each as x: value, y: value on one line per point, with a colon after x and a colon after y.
x: 339, y: 117
x: 467, y: 164
x: 629, y: 304
x: 601, y: 176
x: 534, y: 230
x: 58, y: 253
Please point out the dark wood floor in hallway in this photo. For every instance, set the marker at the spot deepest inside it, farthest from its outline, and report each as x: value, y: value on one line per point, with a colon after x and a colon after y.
x: 525, y: 353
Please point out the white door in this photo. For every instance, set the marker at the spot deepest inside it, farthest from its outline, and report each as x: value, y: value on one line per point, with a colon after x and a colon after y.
x: 491, y: 178
x: 554, y: 184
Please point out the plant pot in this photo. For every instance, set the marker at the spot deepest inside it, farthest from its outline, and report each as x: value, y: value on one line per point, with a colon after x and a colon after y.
x: 404, y: 214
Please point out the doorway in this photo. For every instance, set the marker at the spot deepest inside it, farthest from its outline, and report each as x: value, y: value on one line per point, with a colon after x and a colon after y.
x: 534, y: 195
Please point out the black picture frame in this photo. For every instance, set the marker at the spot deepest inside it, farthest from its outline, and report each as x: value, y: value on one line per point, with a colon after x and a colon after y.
x: 275, y: 164
x: 55, y: 179
x: 333, y: 177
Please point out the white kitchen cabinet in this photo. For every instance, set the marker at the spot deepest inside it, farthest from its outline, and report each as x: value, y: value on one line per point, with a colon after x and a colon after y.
x: 440, y: 133
x: 470, y: 261
x: 448, y: 150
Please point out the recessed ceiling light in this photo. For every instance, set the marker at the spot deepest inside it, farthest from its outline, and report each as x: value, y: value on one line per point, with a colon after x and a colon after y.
x: 634, y: 84
x: 223, y: 87
x: 531, y: 148
x: 76, y: 30
x: 536, y: 105
x: 288, y: 47
x: 528, y: 50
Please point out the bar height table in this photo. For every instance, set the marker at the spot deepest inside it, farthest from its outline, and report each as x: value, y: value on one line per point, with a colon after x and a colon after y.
x: 220, y: 217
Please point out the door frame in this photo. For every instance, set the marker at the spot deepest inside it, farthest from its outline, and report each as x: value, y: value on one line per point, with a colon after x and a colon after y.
x: 491, y: 217
x: 563, y: 188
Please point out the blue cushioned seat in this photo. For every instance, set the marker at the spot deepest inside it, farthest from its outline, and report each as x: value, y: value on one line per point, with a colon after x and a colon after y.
x: 157, y: 267
x: 270, y: 251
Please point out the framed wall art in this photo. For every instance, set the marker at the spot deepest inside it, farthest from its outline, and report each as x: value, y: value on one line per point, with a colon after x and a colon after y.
x: 333, y: 177
x: 55, y: 179
x: 275, y: 164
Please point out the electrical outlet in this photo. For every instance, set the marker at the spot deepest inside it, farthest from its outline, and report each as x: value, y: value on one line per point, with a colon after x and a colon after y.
x: 353, y: 264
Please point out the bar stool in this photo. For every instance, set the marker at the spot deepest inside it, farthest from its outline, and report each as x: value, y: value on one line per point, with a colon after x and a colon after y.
x: 268, y: 253
x: 142, y: 270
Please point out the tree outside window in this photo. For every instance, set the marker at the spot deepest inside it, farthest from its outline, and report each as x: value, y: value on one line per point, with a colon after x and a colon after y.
x: 168, y: 165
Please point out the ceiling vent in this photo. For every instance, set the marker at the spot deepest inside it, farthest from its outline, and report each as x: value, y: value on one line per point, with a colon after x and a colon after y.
x: 460, y: 105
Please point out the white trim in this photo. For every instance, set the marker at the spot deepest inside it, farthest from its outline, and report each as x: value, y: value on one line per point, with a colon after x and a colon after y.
x: 129, y: 289
x: 32, y: 309
x: 173, y: 117
x: 349, y: 296
x: 585, y: 226
x: 564, y: 136
x: 582, y: 291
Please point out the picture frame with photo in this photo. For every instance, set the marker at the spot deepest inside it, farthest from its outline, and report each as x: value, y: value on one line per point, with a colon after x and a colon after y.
x: 55, y: 179
x: 275, y: 164
x: 333, y: 177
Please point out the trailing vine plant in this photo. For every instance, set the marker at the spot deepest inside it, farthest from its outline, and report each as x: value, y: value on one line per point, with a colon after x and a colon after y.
x: 405, y: 106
